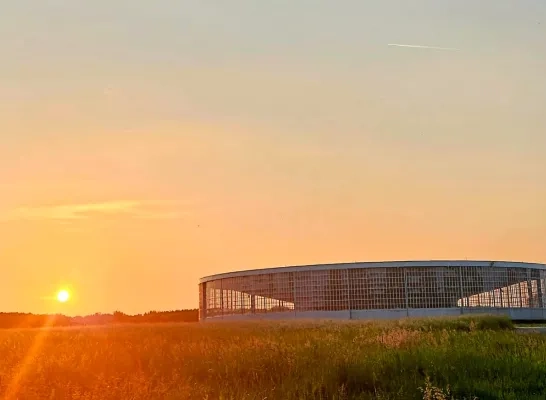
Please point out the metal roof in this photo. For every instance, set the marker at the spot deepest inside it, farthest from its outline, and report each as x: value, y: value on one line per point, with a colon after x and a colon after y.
x: 376, y: 264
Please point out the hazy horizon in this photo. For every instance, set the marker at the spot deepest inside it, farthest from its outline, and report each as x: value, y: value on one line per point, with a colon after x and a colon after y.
x: 145, y: 145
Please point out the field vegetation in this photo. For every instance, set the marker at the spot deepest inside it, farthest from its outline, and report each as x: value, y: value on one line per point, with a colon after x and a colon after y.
x: 455, y: 358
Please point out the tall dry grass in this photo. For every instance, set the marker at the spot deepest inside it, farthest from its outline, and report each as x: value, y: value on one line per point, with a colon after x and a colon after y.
x: 452, y: 358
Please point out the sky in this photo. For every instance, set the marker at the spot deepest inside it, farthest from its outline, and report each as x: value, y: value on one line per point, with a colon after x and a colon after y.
x: 144, y: 145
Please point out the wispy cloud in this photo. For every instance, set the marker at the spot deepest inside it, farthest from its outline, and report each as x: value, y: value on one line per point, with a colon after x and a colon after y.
x: 133, y: 209
x: 419, y: 46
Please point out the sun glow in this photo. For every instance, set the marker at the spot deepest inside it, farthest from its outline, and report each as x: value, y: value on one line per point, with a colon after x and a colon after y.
x: 63, y: 296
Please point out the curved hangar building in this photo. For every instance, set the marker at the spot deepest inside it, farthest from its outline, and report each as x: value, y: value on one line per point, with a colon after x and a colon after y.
x: 368, y: 290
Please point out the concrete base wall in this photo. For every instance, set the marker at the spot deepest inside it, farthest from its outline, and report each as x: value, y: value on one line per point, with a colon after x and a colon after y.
x: 514, y: 313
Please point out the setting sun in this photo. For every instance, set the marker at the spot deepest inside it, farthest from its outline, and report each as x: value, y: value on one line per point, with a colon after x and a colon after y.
x: 63, y: 296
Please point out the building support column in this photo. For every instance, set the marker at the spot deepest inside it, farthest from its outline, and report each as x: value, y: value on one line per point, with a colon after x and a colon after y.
x: 349, y: 304
x: 539, y: 290
x: 406, y: 294
x: 295, y: 294
x: 530, y: 288
x: 222, y: 297
x: 461, y: 288
x: 520, y: 295
x: 252, y: 304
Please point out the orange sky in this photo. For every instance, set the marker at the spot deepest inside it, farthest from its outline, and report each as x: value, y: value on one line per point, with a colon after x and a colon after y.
x: 141, y: 149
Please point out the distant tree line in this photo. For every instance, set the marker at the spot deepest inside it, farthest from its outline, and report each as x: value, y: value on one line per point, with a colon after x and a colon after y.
x: 27, y: 320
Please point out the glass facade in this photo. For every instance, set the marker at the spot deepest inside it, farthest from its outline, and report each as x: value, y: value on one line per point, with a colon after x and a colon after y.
x: 381, y: 288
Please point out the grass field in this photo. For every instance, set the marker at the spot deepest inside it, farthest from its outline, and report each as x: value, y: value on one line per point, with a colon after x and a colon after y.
x: 459, y: 358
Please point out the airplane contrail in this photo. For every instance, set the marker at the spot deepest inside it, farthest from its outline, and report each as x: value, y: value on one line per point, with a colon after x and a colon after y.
x: 418, y: 46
